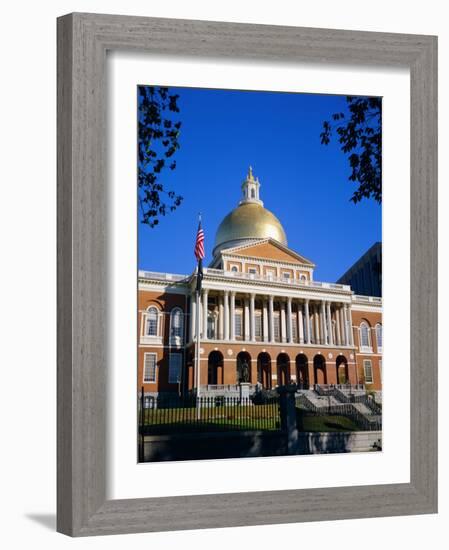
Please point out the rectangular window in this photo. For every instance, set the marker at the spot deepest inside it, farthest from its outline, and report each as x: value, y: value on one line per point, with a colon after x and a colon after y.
x: 258, y: 326
x: 238, y: 325
x: 252, y: 270
x: 149, y: 368
x: 152, y: 324
x: 286, y: 275
x: 294, y: 328
x: 277, y: 328
x: 270, y: 274
x: 368, y: 371
x: 174, y: 368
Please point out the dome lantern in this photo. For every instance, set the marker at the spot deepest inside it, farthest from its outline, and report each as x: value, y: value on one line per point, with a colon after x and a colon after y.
x: 250, y: 189
x: 250, y: 222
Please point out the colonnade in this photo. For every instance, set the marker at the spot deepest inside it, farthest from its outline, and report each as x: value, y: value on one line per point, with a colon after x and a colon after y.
x: 282, y: 319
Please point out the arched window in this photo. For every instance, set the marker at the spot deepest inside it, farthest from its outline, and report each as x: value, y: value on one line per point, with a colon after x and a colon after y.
x: 176, y: 323
x: 379, y: 336
x: 234, y: 268
x: 253, y: 194
x: 364, y: 335
x: 152, y: 321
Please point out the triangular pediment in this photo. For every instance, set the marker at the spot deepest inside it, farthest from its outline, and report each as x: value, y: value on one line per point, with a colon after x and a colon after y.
x: 268, y: 249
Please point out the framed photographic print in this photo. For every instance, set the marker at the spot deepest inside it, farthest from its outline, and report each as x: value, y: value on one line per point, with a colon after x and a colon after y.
x: 247, y: 274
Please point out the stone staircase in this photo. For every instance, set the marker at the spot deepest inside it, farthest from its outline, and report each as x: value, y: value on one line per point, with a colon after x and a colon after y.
x: 354, y: 403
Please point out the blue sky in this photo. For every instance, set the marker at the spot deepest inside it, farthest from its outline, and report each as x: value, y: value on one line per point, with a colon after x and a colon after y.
x: 305, y: 184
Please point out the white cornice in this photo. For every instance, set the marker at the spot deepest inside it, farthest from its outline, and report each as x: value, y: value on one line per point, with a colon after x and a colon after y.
x: 162, y: 286
x: 367, y: 307
x: 277, y: 290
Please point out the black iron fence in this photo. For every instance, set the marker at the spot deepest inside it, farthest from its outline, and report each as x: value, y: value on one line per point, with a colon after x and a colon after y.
x: 366, y: 421
x: 175, y: 414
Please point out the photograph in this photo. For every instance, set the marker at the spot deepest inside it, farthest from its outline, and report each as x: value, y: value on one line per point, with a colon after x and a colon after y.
x: 259, y: 273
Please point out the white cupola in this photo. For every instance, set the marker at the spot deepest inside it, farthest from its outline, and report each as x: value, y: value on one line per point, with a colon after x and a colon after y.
x: 250, y: 189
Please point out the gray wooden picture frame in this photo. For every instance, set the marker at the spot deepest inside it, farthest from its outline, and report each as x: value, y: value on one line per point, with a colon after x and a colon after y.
x: 83, y: 40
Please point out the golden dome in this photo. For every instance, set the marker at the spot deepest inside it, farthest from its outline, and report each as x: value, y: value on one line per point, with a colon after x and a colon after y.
x: 250, y: 220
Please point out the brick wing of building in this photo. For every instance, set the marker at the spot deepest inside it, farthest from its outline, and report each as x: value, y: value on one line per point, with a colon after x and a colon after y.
x: 260, y: 307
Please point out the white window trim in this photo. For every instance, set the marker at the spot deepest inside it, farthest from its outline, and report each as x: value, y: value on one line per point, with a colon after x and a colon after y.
x: 177, y: 341
x: 369, y: 347
x: 240, y: 315
x: 379, y: 348
x: 155, y: 367
x: 277, y: 322
x: 151, y: 339
x: 365, y: 361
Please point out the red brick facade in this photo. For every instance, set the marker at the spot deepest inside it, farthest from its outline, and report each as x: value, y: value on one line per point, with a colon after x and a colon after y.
x: 271, y: 363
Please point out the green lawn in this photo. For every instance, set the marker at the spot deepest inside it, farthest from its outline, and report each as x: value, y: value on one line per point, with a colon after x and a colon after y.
x: 221, y: 418
x: 328, y: 424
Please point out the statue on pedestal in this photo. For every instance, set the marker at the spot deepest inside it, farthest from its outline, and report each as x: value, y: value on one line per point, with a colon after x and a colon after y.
x: 244, y: 373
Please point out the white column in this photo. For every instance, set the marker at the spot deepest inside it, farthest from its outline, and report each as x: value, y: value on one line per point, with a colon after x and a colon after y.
x: 271, y: 317
x: 205, y: 297
x: 329, y: 325
x: 342, y: 326
x: 345, y: 317
x: 337, y: 326
x: 246, y: 320
x: 265, y: 320
x: 220, y: 318
x: 252, y: 323
x: 308, y: 339
x: 323, y: 330
x: 192, y: 316
x: 351, y: 332
x: 300, y: 324
x: 317, y: 324
x: 289, y: 320
x: 226, y: 315
x: 283, y: 327
x: 232, y: 315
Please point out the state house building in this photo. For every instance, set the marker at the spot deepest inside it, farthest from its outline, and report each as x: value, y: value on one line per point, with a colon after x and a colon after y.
x: 259, y: 305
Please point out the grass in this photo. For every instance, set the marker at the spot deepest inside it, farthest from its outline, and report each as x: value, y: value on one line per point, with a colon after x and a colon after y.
x: 220, y: 418
x: 329, y: 423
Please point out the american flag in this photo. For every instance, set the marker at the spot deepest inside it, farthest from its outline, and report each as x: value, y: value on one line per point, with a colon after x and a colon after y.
x: 199, y: 255
x: 199, y: 243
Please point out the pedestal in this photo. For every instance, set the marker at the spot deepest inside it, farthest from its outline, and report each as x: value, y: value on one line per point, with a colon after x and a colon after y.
x: 244, y: 391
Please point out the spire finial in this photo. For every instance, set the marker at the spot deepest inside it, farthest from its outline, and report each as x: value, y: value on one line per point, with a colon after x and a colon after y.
x: 250, y: 172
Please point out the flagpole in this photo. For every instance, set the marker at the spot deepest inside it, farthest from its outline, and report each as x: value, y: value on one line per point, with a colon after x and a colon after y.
x: 197, y: 353
x: 199, y: 253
